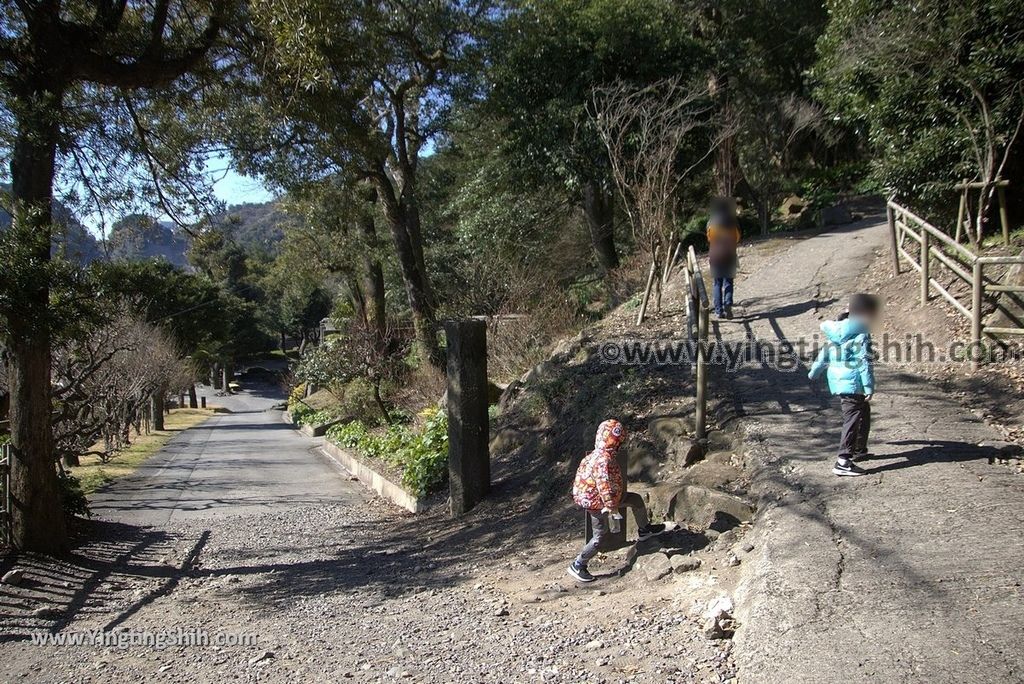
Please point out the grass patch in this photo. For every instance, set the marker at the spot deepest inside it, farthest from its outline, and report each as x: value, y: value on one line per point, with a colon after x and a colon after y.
x: 93, y: 473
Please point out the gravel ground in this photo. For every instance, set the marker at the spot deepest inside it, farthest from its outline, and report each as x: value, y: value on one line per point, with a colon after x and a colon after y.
x: 361, y: 593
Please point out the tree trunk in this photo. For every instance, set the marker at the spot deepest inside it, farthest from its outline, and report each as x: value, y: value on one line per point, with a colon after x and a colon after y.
x: 37, y: 516
x: 157, y: 402
x: 193, y: 400
x: 410, y: 259
x: 599, y: 215
x: 380, y: 403
x: 764, y: 215
x: 373, y: 279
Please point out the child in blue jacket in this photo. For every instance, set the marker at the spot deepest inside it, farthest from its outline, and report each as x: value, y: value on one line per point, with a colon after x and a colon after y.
x: 847, y: 358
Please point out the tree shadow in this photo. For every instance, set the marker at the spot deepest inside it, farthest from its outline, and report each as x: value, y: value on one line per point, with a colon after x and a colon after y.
x: 105, y: 558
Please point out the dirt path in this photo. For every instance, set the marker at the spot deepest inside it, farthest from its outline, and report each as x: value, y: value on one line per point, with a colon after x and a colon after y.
x: 912, y: 573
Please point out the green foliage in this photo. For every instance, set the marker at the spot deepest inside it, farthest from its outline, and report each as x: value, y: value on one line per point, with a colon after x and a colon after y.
x: 310, y: 417
x: 421, y: 455
x: 301, y: 411
x: 347, y: 435
x: 426, y: 455
x: 72, y: 497
x: 919, y: 80
x: 548, y: 58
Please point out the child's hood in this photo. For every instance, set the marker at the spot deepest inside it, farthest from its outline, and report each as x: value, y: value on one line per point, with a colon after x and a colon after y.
x: 610, y: 434
x: 840, y: 332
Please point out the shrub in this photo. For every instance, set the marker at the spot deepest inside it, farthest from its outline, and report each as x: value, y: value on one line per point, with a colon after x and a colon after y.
x: 72, y: 497
x: 296, y: 395
x: 305, y: 415
x: 347, y: 434
x: 421, y: 455
x: 301, y: 412
x: 426, y: 457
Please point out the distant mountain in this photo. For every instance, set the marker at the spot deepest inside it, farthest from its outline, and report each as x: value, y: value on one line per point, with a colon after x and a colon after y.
x: 255, y: 227
x: 71, y: 239
x: 137, y: 237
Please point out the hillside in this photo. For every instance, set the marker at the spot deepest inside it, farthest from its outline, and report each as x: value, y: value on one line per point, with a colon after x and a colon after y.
x: 255, y: 227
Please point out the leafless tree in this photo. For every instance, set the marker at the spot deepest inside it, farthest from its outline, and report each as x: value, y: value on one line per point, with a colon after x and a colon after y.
x: 103, y: 384
x: 769, y: 138
x: 643, y: 129
x: 990, y: 150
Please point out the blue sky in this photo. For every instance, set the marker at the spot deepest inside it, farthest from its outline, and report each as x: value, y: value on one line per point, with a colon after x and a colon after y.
x: 234, y: 188
x: 237, y: 189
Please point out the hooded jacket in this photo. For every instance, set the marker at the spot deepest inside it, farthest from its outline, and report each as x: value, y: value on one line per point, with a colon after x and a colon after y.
x: 598, y: 483
x: 846, y: 357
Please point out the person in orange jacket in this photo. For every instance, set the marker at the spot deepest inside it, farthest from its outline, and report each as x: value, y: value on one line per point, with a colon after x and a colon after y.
x: 599, y: 489
x: 723, y: 237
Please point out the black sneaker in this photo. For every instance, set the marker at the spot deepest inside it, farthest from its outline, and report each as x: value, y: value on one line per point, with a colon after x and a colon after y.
x: 650, y: 531
x: 580, y: 573
x: 848, y: 469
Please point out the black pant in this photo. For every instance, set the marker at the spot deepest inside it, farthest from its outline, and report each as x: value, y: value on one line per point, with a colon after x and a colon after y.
x: 856, y: 424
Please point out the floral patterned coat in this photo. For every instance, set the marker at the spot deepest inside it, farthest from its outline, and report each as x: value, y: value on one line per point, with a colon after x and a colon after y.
x: 599, y: 482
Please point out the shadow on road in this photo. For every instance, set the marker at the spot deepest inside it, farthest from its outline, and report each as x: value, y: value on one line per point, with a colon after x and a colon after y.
x: 933, y: 451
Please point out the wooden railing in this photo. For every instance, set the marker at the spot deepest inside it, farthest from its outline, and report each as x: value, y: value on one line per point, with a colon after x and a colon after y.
x: 697, y: 326
x: 947, y: 253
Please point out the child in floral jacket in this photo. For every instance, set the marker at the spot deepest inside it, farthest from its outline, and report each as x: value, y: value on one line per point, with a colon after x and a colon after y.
x: 600, y: 490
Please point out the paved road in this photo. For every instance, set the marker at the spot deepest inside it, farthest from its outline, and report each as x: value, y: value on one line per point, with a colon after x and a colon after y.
x: 910, y: 574
x: 244, y: 461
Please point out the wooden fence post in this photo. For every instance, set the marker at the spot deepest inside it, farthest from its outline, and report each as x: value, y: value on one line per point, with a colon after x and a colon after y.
x: 891, y: 217
x: 976, y: 289
x: 926, y: 256
x: 647, y: 290
x: 700, y: 413
x: 469, y: 459
x: 1004, y: 220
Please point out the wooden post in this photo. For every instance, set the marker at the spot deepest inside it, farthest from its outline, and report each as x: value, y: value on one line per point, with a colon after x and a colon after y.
x: 469, y: 460
x: 202, y: 401
x: 700, y: 413
x: 691, y: 305
x: 1004, y: 220
x: 672, y: 253
x: 976, y: 288
x: 647, y: 290
x: 961, y: 211
x: 926, y: 256
x: 891, y: 216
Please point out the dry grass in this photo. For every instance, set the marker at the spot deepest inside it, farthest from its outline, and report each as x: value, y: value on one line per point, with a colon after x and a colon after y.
x: 94, y: 474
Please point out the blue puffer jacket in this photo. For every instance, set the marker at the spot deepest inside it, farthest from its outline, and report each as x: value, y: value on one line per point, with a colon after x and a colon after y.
x: 847, y: 356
